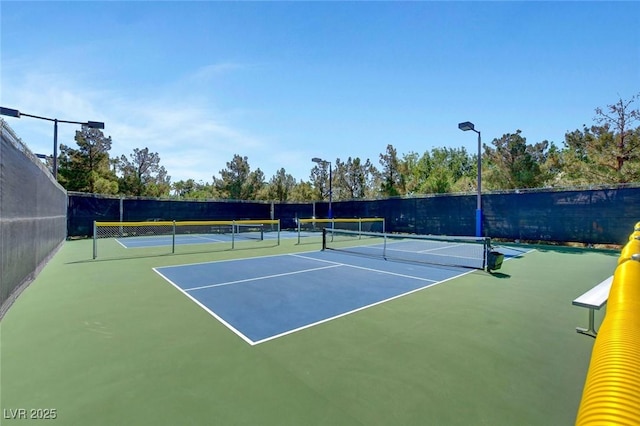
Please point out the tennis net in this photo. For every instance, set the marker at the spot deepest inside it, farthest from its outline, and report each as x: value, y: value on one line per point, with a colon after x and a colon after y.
x: 171, y: 233
x: 362, y: 224
x: 467, y: 252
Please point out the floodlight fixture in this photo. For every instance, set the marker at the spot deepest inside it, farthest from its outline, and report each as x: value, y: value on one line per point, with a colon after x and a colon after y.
x: 467, y: 125
x: 10, y: 112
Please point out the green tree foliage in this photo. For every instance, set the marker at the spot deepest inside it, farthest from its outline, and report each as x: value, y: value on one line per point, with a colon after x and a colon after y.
x: 393, y: 175
x: 439, y: 171
x: 513, y: 163
x: 142, y: 174
x: 279, y: 188
x: 353, y: 179
x: 302, y: 192
x: 183, y: 188
x: 237, y: 181
x: 320, y: 175
x: 86, y: 169
x: 415, y: 171
x: 607, y: 152
x: 192, y: 190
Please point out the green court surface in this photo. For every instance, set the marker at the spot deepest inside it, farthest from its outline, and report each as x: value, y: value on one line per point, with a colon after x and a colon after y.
x: 109, y: 342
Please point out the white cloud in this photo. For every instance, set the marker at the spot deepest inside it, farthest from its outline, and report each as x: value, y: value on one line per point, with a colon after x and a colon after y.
x: 193, y: 136
x: 189, y: 133
x: 191, y: 142
x: 214, y: 70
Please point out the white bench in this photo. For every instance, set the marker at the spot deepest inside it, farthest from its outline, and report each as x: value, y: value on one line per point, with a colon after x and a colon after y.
x: 593, y: 299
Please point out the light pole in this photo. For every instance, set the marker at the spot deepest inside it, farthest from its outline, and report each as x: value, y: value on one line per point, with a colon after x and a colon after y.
x: 15, y: 113
x: 467, y: 125
x: 321, y: 161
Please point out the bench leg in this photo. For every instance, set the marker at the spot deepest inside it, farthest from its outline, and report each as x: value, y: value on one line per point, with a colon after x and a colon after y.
x: 591, y: 331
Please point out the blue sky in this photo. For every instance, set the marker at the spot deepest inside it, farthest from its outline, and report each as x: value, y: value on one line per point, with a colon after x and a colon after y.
x: 282, y: 82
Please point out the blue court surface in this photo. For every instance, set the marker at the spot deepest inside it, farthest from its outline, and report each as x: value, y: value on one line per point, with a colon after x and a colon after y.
x: 263, y: 298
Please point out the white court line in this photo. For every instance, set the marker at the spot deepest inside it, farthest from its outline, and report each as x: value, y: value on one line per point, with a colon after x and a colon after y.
x: 438, y: 248
x: 216, y: 316
x: 367, y: 269
x: 265, y: 277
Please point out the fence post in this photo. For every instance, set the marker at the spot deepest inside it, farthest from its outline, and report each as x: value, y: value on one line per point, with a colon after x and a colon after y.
x: 173, y: 239
x: 95, y: 240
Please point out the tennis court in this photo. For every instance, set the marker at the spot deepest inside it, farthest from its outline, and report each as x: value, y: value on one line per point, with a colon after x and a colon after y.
x: 291, y: 334
x: 267, y: 297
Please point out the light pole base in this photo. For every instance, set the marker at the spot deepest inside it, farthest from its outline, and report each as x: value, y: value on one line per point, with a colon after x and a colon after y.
x: 478, y: 222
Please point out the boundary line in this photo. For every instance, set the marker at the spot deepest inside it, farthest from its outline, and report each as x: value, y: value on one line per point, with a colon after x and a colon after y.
x: 366, y: 269
x: 213, y: 314
x: 264, y: 277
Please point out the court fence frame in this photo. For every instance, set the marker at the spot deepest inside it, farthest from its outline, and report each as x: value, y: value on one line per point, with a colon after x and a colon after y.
x: 592, y: 215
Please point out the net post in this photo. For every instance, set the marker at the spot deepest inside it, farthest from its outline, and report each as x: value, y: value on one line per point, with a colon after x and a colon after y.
x: 485, y: 256
x: 262, y: 232
x: 384, y: 246
x: 324, y: 239
x: 233, y: 234
x: 95, y: 240
x: 359, y: 228
x: 298, y: 220
x: 121, y: 212
x: 383, y: 226
x: 173, y: 239
x: 278, y: 231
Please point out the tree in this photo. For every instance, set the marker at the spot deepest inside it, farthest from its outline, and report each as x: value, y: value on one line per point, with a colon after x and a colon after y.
x: 143, y: 175
x: 553, y: 167
x: 393, y: 180
x: 279, y: 187
x: 439, y: 171
x: 302, y: 192
x: 86, y: 169
x: 353, y: 178
x: 237, y: 181
x: 514, y: 163
x: 320, y: 180
x: 415, y: 169
x: 192, y: 190
x: 608, y: 152
x: 183, y: 188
